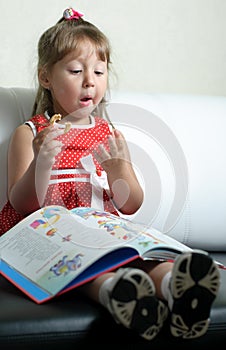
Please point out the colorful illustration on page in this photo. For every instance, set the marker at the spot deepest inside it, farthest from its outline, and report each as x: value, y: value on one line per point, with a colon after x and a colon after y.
x: 65, y: 265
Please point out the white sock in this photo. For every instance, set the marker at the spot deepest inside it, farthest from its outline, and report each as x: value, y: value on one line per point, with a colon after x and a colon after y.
x: 165, y: 286
x: 103, y: 292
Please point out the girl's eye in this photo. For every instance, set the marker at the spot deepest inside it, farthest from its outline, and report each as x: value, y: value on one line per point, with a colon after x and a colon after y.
x: 97, y: 72
x: 75, y: 71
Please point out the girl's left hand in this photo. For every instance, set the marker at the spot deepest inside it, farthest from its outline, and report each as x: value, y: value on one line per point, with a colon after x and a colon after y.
x: 117, y: 153
x: 124, y: 187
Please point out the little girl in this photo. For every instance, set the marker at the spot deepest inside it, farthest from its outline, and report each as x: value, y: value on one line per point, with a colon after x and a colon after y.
x: 89, y: 165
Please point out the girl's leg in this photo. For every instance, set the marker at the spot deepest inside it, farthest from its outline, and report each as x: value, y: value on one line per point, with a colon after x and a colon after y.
x: 134, y: 294
x: 194, y: 286
x: 129, y: 295
x: 92, y: 289
x: 190, y: 286
x: 158, y: 271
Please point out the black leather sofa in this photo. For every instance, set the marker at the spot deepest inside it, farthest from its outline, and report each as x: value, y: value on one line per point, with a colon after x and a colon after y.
x: 71, y: 321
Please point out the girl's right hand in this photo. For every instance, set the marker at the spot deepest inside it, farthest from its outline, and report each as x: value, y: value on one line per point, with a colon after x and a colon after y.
x: 46, y: 146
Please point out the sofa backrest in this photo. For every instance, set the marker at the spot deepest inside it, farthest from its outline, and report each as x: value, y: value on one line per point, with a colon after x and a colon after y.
x: 182, y: 145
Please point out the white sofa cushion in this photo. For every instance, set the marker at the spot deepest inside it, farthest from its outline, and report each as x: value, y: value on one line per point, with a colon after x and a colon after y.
x: 181, y: 139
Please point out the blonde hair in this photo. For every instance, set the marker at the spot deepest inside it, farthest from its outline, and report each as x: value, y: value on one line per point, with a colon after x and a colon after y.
x: 58, y: 41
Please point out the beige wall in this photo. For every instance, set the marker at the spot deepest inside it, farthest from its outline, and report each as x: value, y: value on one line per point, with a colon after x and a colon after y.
x: 159, y: 46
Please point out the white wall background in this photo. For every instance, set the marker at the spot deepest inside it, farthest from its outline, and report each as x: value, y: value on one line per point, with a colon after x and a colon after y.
x: 159, y: 46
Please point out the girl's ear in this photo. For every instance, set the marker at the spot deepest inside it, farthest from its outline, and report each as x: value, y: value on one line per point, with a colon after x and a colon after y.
x: 43, y: 78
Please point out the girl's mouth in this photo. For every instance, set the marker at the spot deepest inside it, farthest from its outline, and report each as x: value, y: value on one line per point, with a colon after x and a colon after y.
x: 86, y: 101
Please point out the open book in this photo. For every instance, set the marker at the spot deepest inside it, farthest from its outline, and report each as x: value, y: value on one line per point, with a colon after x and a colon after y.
x: 54, y: 249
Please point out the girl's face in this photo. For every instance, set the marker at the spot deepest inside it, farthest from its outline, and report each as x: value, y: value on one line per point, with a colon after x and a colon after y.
x: 78, y: 82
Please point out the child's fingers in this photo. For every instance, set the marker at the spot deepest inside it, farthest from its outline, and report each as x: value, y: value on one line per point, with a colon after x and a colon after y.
x: 112, y: 146
x: 49, y: 146
x: 101, y: 154
x: 53, y: 132
x: 48, y: 137
x: 118, y: 134
x: 119, y: 139
x: 118, y: 145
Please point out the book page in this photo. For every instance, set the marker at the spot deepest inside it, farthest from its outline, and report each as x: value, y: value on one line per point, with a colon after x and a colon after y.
x: 121, y: 231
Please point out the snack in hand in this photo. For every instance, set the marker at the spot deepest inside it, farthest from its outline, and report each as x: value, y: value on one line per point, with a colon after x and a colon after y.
x: 56, y: 117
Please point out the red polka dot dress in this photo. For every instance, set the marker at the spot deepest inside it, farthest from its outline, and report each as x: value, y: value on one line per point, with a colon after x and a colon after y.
x: 77, y: 179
